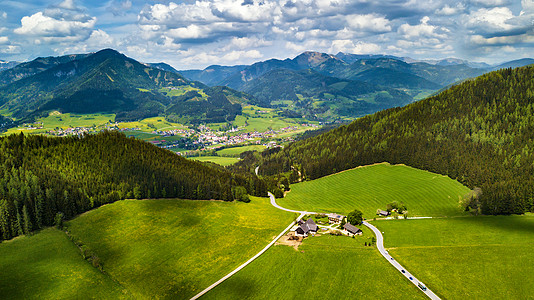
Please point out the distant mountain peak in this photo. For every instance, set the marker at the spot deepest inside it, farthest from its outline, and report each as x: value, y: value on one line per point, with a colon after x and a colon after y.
x: 313, y: 59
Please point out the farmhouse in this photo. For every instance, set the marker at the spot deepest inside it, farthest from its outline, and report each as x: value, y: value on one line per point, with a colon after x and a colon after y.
x: 335, y: 218
x: 351, y: 229
x: 384, y: 213
x: 307, y: 227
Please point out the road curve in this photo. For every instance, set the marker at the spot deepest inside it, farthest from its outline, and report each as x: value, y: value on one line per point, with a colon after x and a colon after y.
x: 385, y: 254
x: 273, y: 202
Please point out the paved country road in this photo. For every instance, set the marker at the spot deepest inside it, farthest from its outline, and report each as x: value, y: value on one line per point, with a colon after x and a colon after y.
x: 255, y: 256
x: 273, y: 202
x: 385, y: 254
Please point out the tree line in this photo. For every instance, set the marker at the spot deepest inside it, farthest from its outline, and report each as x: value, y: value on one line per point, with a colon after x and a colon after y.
x: 480, y: 132
x: 43, y: 176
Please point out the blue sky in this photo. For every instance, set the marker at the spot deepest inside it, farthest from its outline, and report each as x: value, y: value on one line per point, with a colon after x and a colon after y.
x: 195, y: 34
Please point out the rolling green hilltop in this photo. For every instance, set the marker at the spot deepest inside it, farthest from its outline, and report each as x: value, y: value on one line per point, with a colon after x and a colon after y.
x: 480, y: 132
x: 42, y: 176
x: 313, y: 94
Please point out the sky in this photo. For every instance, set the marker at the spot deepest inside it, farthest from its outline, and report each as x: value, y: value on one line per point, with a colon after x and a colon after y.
x: 196, y: 34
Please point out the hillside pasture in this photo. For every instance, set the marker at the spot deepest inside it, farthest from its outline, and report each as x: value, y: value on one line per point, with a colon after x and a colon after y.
x: 325, y: 267
x: 235, y: 151
x: 47, y: 265
x: 223, y: 161
x: 372, y: 187
x: 176, y: 248
x: 485, y: 257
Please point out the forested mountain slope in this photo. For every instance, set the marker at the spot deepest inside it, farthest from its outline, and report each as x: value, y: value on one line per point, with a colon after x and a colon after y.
x: 480, y: 132
x: 41, y: 176
x: 110, y: 82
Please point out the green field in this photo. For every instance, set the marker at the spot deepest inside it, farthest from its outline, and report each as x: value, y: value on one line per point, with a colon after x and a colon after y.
x: 150, y: 124
x: 485, y: 257
x: 48, y: 265
x: 58, y: 120
x: 176, y: 248
x: 235, y: 151
x: 372, y: 187
x: 326, y: 267
x: 223, y: 161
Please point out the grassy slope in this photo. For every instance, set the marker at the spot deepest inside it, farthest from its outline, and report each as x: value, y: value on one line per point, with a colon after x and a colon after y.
x: 48, y: 265
x: 235, y: 151
x: 472, y: 257
x: 372, y: 187
x: 176, y: 248
x: 223, y: 161
x: 325, y: 267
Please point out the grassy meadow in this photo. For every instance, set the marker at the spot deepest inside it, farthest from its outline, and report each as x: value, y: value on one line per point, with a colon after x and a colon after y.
x: 235, y: 151
x: 370, y: 188
x: 325, y: 267
x: 58, y: 120
x: 485, y: 257
x: 176, y: 248
x: 223, y: 161
x: 47, y: 265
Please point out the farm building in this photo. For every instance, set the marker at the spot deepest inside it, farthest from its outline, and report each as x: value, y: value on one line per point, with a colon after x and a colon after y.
x: 307, y: 227
x: 351, y: 229
x: 335, y: 218
x: 384, y: 213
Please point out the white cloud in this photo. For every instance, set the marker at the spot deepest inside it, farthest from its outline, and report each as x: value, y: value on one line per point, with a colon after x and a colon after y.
x: 4, y: 40
x: 67, y: 4
x: 490, y: 19
x: 422, y: 30
x: 41, y: 25
x: 451, y: 10
x: 10, y: 49
x: 234, y: 56
x: 348, y: 46
x: 369, y: 23
x: 3, y: 15
x: 246, y: 43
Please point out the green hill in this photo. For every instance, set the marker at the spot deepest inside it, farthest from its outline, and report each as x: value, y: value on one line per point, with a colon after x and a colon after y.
x: 370, y: 188
x: 479, y: 132
x: 174, y: 248
x: 109, y: 82
x: 314, y: 94
x: 48, y: 265
x: 474, y: 257
x: 43, y: 176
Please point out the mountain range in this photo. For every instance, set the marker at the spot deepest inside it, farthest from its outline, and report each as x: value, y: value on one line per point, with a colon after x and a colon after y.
x: 313, y: 85
x: 110, y: 82
x: 391, y: 81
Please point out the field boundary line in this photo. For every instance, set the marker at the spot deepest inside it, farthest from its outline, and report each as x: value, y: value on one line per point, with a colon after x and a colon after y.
x: 248, y: 261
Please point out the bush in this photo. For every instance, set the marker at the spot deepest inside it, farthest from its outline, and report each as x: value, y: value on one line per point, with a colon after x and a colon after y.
x: 58, y: 220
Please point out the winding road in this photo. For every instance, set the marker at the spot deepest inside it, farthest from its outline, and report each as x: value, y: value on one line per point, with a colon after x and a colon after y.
x: 385, y: 254
x: 379, y: 244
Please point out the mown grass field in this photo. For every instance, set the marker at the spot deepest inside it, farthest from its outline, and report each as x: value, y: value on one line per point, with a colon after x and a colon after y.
x: 223, y: 161
x: 372, y: 187
x: 176, y: 248
x: 485, y: 257
x: 235, y: 151
x: 48, y: 265
x: 326, y: 267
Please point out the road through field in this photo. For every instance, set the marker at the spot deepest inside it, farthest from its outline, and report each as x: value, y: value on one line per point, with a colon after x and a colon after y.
x: 380, y: 245
x: 253, y: 258
x: 385, y: 254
